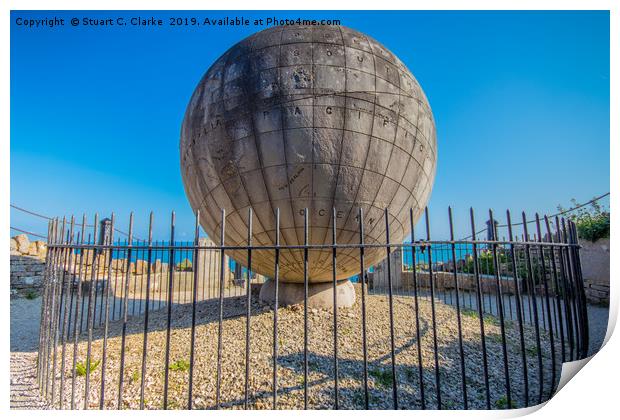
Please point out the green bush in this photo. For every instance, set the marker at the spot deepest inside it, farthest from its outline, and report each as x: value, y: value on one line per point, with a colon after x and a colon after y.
x: 592, y: 222
x: 185, y: 265
x: 486, y: 264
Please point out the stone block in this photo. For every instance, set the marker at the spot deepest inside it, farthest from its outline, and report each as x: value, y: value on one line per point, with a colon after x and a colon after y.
x: 32, y: 249
x: 159, y: 267
x: 320, y: 295
x: 140, y: 267
x: 119, y: 265
x: 41, y: 249
x: 23, y: 243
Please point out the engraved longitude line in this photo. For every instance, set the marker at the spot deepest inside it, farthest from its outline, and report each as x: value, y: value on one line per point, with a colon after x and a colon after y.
x: 236, y: 211
x: 219, y: 222
x: 343, y: 122
x: 391, y: 152
x: 260, y: 161
x: 284, y: 140
x: 408, y: 162
x: 202, y: 184
x: 404, y: 206
x: 399, y: 182
x: 322, y: 256
x: 346, y: 94
x: 411, y: 156
x: 206, y: 216
x: 202, y: 202
x: 348, y: 166
x: 312, y: 206
x: 261, y: 223
x: 324, y: 271
x: 374, y: 62
x: 394, y: 220
x: 193, y: 158
x: 201, y: 180
x: 264, y: 265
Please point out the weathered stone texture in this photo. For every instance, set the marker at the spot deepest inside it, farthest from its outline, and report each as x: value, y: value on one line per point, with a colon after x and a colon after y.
x: 23, y: 243
x: 308, y: 117
x: 26, y: 275
x: 595, y: 269
x: 210, y: 264
x: 27, y: 265
x: 320, y: 295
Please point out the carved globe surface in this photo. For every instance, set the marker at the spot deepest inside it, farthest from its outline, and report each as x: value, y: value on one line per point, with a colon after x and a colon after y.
x: 308, y: 117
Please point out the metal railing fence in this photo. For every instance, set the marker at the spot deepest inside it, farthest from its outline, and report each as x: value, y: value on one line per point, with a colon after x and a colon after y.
x: 454, y: 324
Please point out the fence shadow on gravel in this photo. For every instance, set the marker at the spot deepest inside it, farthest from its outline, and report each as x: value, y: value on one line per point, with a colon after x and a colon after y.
x: 462, y: 324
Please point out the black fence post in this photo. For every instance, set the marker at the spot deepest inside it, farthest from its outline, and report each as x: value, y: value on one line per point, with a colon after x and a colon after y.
x: 546, y: 267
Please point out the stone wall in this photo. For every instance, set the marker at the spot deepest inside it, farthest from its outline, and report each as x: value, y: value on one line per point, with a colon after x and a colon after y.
x: 595, y: 270
x: 99, y: 267
x: 594, y: 265
x: 26, y: 276
x: 27, y: 266
x: 444, y: 281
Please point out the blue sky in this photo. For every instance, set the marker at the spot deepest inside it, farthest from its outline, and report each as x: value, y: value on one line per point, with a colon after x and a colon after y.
x: 520, y: 99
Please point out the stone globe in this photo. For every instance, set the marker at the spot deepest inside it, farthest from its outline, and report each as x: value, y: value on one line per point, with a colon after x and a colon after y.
x: 316, y: 117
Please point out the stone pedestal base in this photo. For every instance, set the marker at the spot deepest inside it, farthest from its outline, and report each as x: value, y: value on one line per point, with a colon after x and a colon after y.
x: 320, y: 295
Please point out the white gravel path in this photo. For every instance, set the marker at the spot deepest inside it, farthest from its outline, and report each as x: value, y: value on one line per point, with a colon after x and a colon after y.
x: 25, y: 315
x: 24, y: 388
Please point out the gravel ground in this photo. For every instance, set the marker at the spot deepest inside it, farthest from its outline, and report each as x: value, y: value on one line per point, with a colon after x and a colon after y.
x: 24, y: 388
x: 24, y: 341
x: 25, y: 316
x: 24, y: 333
x: 597, y: 315
x: 290, y: 358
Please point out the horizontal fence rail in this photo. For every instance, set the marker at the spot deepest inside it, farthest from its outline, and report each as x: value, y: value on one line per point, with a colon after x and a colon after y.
x: 438, y: 324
